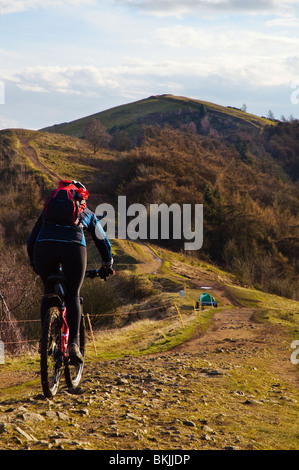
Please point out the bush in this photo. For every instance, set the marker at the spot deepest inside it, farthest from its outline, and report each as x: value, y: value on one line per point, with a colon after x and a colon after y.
x: 99, y: 300
x: 21, y: 290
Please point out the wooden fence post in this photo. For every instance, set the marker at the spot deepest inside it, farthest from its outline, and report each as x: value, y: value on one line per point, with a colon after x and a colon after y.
x: 179, y: 314
x: 91, y: 332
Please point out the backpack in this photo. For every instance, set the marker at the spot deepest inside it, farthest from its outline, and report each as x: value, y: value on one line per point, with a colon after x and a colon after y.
x: 65, y: 204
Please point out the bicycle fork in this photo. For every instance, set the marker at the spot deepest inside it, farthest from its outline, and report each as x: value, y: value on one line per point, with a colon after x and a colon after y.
x: 65, y: 333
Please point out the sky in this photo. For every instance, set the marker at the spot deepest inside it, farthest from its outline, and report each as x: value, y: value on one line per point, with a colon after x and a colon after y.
x: 61, y: 60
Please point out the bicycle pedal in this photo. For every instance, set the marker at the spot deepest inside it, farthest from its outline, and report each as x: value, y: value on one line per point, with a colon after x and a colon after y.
x: 74, y: 361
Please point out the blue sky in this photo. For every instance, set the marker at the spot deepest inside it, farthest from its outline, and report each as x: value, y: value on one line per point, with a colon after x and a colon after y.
x: 64, y: 59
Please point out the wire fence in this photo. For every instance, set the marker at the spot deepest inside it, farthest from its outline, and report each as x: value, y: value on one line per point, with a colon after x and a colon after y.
x: 11, y: 333
x: 10, y: 323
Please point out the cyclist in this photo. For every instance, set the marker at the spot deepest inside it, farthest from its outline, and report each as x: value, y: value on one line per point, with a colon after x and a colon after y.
x: 51, y: 245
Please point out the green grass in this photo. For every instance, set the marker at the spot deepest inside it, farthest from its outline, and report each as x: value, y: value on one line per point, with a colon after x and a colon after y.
x: 127, y: 116
x: 271, y: 308
x: 264, y: 301
x: 142, y: 337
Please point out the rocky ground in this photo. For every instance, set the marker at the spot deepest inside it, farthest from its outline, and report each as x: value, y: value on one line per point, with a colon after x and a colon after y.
x: 232, y: 387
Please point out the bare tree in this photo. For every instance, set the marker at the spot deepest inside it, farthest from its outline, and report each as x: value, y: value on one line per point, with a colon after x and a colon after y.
x: 270, y: 115
x: 97, y: 135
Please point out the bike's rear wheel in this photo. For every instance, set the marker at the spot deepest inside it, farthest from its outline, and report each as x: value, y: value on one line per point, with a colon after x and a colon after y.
x: 51, y: 356
x: 73, y: 372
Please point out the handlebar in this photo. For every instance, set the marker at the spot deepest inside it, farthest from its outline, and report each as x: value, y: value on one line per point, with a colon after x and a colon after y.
x: 103, y: 273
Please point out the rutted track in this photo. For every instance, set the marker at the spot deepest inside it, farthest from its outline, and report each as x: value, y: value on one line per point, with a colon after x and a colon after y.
x: 32, y: 155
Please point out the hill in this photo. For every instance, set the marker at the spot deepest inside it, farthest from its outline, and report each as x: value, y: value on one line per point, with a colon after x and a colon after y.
x: 248, y: 133
x: 166, y: 109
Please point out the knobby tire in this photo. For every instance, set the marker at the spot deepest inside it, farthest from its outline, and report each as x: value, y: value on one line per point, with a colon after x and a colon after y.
x: 73, y: 373
x: 51, y: 362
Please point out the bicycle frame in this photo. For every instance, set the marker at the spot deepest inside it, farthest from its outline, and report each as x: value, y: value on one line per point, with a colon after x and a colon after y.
x: 57, y: 299
x: 65, y: 334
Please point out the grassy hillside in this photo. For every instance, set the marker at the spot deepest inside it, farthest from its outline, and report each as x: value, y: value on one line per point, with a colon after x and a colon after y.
x: 250, y: 203
x: 164, y: 109
x: 248, y: 133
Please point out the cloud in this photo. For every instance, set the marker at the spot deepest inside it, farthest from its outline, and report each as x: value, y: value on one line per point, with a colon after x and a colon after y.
x: 236, y: 54
x: 17, y: 6
x: 234, y: 40
x: 283, y: 22
x: 7, y: 123
x: 242, y: 67
x: 76, y: 80
x: 181, y: 7
x: 158, y: 7
x: 45, y: 95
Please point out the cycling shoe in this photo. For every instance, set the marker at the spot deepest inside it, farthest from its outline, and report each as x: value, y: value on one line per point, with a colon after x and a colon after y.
x: 75, y: 356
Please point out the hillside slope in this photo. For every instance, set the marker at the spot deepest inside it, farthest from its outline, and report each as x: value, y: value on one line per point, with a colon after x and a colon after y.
x: 166, y: 109
x: 250, y: 204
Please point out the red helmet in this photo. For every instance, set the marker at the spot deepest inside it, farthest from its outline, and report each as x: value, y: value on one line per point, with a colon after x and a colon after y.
x: 80, y: 188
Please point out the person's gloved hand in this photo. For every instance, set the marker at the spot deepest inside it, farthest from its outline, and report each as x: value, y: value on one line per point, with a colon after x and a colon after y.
x: 108, y: 264
x: 106, y: 269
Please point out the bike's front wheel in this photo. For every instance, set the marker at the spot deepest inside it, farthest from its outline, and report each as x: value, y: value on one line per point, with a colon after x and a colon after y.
x: 73, y: 372
x: 51, y: 358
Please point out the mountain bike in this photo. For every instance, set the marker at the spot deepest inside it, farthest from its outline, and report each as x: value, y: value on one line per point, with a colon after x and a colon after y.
x: 55, y: 334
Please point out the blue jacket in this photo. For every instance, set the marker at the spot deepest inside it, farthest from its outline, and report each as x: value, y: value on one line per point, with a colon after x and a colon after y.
x: 42, y: 233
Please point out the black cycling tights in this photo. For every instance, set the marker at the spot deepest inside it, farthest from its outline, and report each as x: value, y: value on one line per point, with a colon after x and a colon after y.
x: 47, y: 257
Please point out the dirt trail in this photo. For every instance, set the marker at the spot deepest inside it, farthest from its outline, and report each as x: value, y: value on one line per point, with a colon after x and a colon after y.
x: 173, y: 400
x: 179, y: 399
x: 151, y: 265
x: 32, y: 155
x: 231, y: 386
x: 235, y: 334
